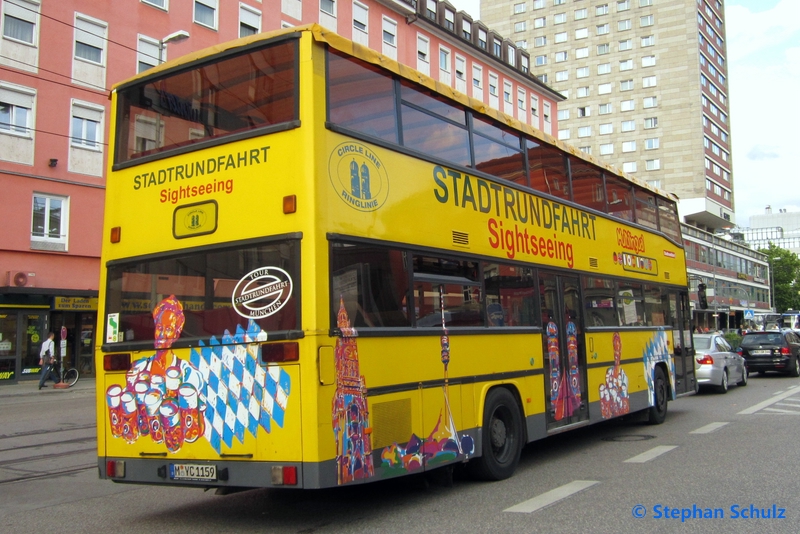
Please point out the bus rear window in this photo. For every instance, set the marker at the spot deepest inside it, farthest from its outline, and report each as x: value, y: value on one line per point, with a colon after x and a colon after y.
x: 217, y: 292
x: 233, y: 95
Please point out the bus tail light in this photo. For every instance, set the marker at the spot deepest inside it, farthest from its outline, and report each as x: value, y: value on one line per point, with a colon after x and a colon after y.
x: 284, y: 475
x: 115, y: 468
x: 705, y: 360
x: 116, y: 362
x: 289, y: 204
x: 280, y: 352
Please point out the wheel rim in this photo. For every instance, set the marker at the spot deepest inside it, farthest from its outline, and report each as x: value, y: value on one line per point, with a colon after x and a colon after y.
x: 725, y: 380
x: 661, y: 395
x: 501, y: 433
x: 744, y: 375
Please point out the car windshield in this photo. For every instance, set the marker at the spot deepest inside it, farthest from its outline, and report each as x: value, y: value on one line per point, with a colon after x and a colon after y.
x: 751, y: 340
x: 702, y: 342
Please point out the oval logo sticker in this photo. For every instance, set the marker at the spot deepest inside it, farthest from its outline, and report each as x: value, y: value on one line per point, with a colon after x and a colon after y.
x: 262, y: 292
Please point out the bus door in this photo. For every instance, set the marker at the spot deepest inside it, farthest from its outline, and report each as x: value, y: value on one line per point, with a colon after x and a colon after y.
x: 563, y: 350
x: 683, y: 350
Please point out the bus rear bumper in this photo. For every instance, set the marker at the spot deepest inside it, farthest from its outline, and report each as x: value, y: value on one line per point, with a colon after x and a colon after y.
x: 206, y: 474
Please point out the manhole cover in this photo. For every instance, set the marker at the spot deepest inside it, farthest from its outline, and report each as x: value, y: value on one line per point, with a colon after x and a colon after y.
x: 632, y: 437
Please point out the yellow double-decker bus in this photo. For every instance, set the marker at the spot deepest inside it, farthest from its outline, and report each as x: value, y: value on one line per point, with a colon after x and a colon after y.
x: 322, y: 268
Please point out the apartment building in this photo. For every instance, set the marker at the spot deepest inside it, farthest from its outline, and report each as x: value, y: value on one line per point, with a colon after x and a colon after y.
x: 58, y: 61
x: 646, y: 87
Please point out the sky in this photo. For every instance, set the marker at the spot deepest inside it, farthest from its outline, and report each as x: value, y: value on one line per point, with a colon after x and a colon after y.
x: 763, y: 40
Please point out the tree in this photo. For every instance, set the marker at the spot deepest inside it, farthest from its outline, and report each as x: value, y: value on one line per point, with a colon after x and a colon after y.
x: 785, y: 267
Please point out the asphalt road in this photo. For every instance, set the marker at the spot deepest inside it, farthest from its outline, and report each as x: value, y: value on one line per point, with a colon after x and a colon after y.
x: 728, y: 456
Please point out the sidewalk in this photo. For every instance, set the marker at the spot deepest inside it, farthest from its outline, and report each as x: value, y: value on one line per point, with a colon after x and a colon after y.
x: 31, y: 387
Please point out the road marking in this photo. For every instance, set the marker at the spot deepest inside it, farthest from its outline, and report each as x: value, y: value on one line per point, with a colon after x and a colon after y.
x: 793, y: 400
x: 793, y: 405
x: 778, y: 410
x: 711, y: 427
x: 649, y: 455
x: 769, y: 402
x: 552, y: 496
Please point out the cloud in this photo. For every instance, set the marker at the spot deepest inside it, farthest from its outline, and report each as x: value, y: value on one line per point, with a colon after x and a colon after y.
x: 749, y: 34
x: 760, y: 152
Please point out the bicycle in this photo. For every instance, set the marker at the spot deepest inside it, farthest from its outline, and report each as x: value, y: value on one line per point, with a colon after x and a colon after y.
x: 69, y: 376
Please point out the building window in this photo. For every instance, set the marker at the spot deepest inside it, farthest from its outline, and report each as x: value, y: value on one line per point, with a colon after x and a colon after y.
x: 580, y: 13
x: 650, y: 122
x: 648, y: 61
x: 86, y: 125
x: 390, y: 32
x: 360, y: 17
x: 561, y: 56
x: 422, y: 49
x: 519, y: 8
x: 650, y: 40
x: 493, y: 84
x: 249, y: 21
x: 605, y: 109
x: 521, y: 44
x: 604, y: 68
x: 629, y: 167
x: 477, y: 77
x: 507, y: 92
x: 602, y: 29
x: 601, y: 10
x: 645, y: 3
x: 649, y: 81
x: 650, y: 102
x: 521, y: 96
x: 563, y: 114
x: 626, y: 85
x: 162, y: 4
x: 146, y: 53
x: 538, y: 4
x: 623, y: 5
x: 606, y: 149
x: 450, y: 20
x: 205, y: 13
x: 646, y: 20
x: 539, y: 41
x: 629, y: 146
x: 628, y: 126
x: 563, y: 135
x: 606, y: 128
x: 627, y: 44
x: 558, y: 18
x: 583, y: 92
x: 583, y: 72
x: 603, y: 49
x: 604, y: 89
x: 581, y: 53
x: 561, y: 37
x: 626, y: 64
x: 19, y: 21
x: 534, y: 106
x: 562, y: 75
x: 461, y: 68
x: 624, y: 25
x: 540, y: 60
x: 540, y: 22
x: 16, y: 104
x: 49, y: 218
x: 519, y: 26
x: 90, y: 39
x: 581, y: 33
x: 652, y: 164
x: 627, y: 105
x: 431, y: 12
x: 585, y: 131
x: 586, y: 149
x: 584, y: 111
x: 651, y: 144
x: 482, y: 38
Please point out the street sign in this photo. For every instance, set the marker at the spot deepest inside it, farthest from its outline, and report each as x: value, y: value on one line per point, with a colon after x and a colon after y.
x: 749, y: 314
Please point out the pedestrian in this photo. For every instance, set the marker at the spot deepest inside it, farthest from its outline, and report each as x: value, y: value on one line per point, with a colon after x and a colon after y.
x: 46, y: 360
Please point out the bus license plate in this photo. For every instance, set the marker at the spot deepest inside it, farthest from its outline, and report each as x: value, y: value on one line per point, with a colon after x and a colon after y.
x: 192, y: 472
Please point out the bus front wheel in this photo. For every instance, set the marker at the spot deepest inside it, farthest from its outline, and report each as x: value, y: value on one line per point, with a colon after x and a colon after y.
x: 501, y: 439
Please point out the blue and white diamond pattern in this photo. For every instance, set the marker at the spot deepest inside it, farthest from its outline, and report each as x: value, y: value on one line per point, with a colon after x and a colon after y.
x: 241, y: 394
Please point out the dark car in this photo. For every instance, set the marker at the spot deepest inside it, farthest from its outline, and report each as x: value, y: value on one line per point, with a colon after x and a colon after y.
x: 773, y: 350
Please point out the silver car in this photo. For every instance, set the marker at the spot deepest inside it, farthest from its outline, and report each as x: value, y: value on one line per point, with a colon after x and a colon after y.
x: 716, y: 365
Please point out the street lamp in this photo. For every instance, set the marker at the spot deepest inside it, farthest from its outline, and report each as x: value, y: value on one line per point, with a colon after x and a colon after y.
x: 174, y: 37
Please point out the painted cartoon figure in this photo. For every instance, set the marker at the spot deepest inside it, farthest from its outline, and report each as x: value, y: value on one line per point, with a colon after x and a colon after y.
x: 164, y: 395
x: 614, y: 398
x: 554, y: 356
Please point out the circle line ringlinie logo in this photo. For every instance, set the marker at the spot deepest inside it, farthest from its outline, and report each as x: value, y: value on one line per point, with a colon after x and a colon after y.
x: 358, y: 176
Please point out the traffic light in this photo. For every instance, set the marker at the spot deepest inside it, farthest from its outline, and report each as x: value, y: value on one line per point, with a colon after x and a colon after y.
x: 701, y: 294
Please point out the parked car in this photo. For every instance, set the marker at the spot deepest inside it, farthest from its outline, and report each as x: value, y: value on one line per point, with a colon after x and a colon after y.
x: 716, y: 364
x: 774, y: 350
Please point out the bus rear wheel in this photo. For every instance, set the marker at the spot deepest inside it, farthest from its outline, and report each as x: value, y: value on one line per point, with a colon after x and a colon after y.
x: 658, y: 412
x: 501, y: 439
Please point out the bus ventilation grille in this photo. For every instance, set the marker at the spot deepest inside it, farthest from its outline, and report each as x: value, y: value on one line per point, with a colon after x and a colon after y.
x: 593, y: 263
x: 391, y: 422
x: 461, y: 238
